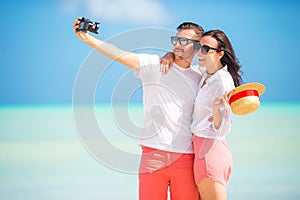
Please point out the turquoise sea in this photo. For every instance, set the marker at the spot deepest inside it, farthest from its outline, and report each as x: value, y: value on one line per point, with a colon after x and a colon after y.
x: 42, y: 155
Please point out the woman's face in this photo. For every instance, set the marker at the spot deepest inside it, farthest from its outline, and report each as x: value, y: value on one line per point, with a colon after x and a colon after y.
x: 212, y: 59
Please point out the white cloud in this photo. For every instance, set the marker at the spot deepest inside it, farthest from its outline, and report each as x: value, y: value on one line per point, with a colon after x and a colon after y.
x: 145, y: 12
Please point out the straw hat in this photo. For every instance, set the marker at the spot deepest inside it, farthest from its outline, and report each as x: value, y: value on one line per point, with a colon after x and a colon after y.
x: 245, y: 98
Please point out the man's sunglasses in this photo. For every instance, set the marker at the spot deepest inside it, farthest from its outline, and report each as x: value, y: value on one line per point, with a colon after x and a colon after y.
x: 204, y: 48
x: 182, y: 40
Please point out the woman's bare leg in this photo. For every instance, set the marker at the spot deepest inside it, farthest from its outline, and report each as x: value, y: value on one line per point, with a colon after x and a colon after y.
x: 212, y: 190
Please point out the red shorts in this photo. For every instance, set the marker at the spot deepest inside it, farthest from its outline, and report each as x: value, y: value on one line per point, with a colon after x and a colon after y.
x: 160, y: 170
x: 213, y: 160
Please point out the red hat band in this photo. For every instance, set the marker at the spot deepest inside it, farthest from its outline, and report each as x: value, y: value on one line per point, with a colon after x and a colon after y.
x: 242, y: 94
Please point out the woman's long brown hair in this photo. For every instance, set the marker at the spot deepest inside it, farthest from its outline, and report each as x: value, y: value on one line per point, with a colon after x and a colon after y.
x: 229, y: 57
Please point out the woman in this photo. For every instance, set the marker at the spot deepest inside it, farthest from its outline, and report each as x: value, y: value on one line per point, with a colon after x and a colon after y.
x: 211, y: 118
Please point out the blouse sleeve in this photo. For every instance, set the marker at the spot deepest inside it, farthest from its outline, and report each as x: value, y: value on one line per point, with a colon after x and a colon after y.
x: 217, y: 89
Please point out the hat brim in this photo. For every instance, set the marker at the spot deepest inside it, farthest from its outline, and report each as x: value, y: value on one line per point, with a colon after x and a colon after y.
x: 250, y: 86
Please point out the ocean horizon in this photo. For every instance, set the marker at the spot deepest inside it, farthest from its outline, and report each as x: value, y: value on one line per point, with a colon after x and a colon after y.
x: 44, y: 155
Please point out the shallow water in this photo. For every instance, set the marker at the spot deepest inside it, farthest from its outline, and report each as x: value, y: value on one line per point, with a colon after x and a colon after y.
x: 43, y: 156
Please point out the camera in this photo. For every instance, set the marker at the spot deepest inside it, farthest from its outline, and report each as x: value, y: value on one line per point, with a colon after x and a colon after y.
x: 87, y: 25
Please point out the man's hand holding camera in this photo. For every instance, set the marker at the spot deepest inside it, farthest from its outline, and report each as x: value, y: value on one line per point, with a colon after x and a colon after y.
x: 82, y: 26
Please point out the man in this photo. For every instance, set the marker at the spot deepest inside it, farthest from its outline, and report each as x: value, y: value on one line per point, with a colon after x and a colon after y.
x: 166, y: 139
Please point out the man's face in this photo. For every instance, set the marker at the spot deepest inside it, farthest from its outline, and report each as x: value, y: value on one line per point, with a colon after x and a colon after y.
x: 181, y: 50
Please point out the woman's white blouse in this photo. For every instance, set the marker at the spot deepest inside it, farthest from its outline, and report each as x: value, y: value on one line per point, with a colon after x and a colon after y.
x: 215, y: 86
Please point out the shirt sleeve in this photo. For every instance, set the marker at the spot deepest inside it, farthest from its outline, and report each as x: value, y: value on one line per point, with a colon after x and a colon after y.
x: 217, y: 89
x: 149, y: 67
x: 225, y: 124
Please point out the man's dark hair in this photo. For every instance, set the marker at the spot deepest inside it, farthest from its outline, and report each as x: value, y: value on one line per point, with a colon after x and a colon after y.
x: 190, y: 25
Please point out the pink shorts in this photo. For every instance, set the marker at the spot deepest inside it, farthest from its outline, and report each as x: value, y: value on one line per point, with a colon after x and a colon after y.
x: 213, y: 160
x: 161, y: 171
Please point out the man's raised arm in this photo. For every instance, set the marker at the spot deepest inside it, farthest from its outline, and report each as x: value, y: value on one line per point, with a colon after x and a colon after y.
x: 126, y: 58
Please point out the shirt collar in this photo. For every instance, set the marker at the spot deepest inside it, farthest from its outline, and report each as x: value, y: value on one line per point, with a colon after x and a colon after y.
x: 218, y: 74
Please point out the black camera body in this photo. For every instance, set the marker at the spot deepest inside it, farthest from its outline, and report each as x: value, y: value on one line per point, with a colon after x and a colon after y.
x: 87, y: 25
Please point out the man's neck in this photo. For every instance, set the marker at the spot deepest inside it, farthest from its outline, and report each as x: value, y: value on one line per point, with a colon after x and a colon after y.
x: 183, y: 63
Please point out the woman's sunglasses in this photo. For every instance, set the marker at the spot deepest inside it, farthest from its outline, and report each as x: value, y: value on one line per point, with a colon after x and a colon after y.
x: 182, y: 40
x: 204, y: 48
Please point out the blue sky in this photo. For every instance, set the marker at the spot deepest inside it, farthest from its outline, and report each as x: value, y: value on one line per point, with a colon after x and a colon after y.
x: 41, y: 56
